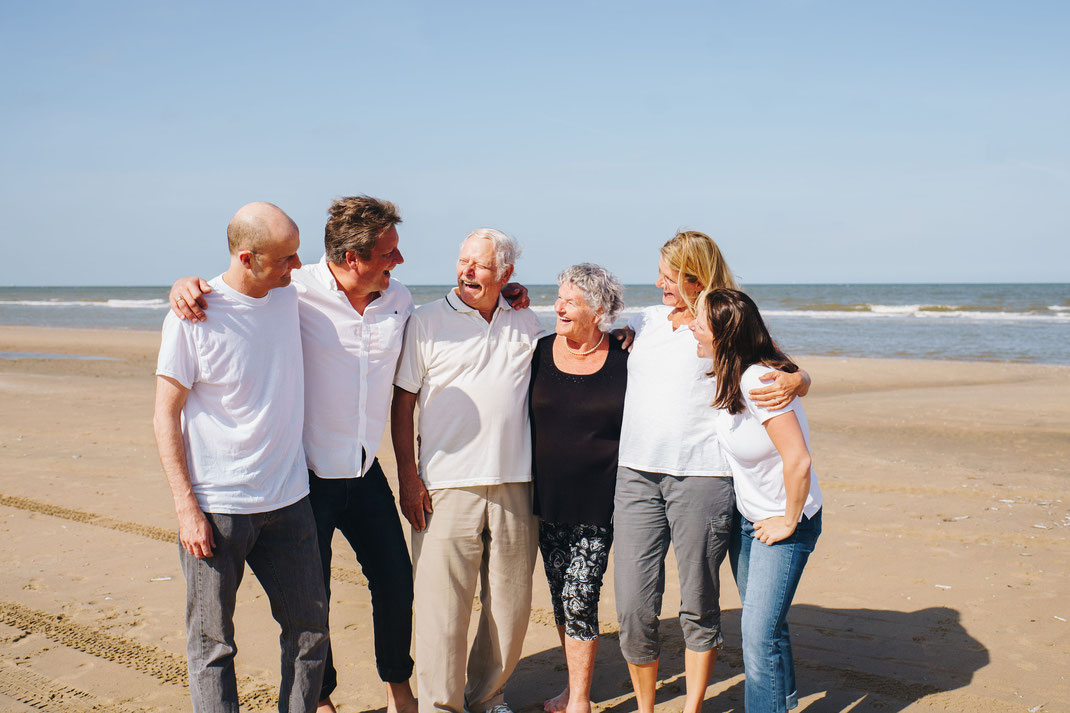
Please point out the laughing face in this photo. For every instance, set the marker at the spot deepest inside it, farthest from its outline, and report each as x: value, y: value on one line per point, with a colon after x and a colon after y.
x: 478, y: 282
x: 575, y: 318
x: 672, y: 292
x: 700, y: 327
x: 375, y: 271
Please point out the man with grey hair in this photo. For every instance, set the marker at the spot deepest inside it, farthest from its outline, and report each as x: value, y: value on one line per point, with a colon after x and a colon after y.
x: 466, y: 360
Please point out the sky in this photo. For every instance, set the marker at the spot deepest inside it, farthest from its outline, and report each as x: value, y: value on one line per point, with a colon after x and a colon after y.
x: 816, y: 142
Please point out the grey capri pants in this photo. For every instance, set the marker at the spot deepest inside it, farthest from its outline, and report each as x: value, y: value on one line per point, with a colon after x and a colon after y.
x: 694, y: 513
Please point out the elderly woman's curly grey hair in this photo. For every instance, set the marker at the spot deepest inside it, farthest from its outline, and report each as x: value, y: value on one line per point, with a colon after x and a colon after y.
x: 601, y: 290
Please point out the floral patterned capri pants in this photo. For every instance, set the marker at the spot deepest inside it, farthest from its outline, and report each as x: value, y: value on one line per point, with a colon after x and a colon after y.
x: 575, y: 558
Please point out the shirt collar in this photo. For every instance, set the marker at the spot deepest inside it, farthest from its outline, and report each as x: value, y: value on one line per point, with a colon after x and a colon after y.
x: 324, y: 275
x: 459, y: 305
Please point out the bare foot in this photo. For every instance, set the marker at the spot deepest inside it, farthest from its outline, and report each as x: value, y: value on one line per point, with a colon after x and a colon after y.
x: 579, y: 706
x: 557, y: 704
x: 325, y: 706
x: 399, y: 698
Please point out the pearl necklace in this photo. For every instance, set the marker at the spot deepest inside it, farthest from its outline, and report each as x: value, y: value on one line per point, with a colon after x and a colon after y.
x: 577, y: 352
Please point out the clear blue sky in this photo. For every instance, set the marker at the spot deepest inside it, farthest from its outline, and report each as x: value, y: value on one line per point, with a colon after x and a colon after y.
x: 815, y: 141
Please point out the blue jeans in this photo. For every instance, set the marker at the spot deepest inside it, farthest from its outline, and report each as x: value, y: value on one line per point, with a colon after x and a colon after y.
x: 767, y: 576
x: 280, y: 547
x: 363, y: 509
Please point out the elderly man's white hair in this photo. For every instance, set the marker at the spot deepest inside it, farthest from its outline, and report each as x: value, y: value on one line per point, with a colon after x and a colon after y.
x: 506, y: 248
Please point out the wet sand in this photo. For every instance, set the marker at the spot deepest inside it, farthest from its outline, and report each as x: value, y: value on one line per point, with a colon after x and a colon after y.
x: 940, y: 583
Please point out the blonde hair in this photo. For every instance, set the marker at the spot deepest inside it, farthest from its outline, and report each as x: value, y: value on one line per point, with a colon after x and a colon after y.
x: 697, y: 260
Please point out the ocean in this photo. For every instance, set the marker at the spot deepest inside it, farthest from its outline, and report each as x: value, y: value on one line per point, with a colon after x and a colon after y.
x: 974, y: 322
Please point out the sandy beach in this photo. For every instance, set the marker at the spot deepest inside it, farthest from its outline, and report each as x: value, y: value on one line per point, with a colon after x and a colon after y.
x: 940, y: 583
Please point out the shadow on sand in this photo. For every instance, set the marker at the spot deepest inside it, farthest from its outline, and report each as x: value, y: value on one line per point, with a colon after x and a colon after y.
x: 862, y: 659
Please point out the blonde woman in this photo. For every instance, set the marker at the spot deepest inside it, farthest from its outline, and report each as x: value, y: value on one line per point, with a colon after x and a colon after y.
x: 674, y: 484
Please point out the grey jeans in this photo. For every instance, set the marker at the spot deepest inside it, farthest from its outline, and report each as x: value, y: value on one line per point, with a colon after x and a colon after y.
x: 650, y: 510
x: 280, y: 547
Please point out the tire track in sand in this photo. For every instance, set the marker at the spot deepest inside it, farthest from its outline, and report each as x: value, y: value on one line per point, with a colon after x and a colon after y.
x: 149, y: 660
x: 263, y: 695
x: 44, y: 694
x: 153, y: 533
x: 111, y: 523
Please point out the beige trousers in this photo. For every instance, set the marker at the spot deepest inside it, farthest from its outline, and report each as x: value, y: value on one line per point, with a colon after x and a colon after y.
x: 484, y: 535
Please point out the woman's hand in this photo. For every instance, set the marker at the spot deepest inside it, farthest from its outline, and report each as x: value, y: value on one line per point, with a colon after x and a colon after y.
x: 774, y: 529
x: 187, y: 298
x: 784, y: 388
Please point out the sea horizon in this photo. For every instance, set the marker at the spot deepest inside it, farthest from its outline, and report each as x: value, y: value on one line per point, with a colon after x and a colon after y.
x: 973, y: 321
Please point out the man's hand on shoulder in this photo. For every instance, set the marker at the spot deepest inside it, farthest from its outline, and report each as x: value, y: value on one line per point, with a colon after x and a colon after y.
x: 187, y: 298
x: 624, y: 335
x: 516, y: 295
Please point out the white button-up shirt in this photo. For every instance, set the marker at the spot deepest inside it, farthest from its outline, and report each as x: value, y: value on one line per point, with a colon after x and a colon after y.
x: 349, y: 369
x: 472, y: 378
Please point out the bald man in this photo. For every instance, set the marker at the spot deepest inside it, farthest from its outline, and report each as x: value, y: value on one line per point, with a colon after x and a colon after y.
x: 228, y: 423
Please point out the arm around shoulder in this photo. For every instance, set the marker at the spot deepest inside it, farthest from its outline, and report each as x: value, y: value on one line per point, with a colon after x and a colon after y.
x: 782, y: 388
x: 187, y: 298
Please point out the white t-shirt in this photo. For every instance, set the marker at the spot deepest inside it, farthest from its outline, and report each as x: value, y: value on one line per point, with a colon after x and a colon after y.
x: 242, y: 419
x: 756, y: 464
x: 668, y: 418
x: 349, y: 369
x: 472, y: 379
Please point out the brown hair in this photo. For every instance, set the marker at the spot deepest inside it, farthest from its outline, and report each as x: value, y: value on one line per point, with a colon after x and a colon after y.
x: 698, y: 260
x: 355, y: 223
x: 740, y: 340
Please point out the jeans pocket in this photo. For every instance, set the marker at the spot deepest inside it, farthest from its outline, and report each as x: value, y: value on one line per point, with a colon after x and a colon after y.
x: 807, y: 532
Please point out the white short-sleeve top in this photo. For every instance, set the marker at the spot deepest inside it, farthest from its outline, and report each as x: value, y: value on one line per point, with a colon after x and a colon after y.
x: 668, y: 418
x: 755, y: 462
x: 242, y: 419
x: 472, y: 379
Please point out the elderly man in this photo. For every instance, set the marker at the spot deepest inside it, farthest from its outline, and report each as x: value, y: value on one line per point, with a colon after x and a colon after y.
x: 352, y: 321
x: 228, y: 428
x: 466, y: 359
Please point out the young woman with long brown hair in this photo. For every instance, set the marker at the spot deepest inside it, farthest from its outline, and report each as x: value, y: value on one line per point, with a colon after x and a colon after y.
x: 777, y: 497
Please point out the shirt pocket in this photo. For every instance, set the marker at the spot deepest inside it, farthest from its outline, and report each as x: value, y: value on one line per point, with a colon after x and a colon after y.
x: 387, y: 333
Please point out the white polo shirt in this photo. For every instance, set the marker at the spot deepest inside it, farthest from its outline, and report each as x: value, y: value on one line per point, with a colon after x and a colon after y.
x: 349, y: 363
x: 472, y: 380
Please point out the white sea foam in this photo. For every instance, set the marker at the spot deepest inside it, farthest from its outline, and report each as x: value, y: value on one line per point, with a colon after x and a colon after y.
x: 114, y: 304
x: 916, y: 311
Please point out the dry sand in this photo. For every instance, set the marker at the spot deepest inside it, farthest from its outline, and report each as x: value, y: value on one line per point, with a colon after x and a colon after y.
x: 940, y: 582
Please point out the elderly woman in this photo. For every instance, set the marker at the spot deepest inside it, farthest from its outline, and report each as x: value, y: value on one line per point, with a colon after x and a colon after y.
x: 673, y: 483
x: 777, y: 496
x: 578, y: 377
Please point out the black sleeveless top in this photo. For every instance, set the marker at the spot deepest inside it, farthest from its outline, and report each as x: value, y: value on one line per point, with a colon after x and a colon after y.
x: 575, y: 436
